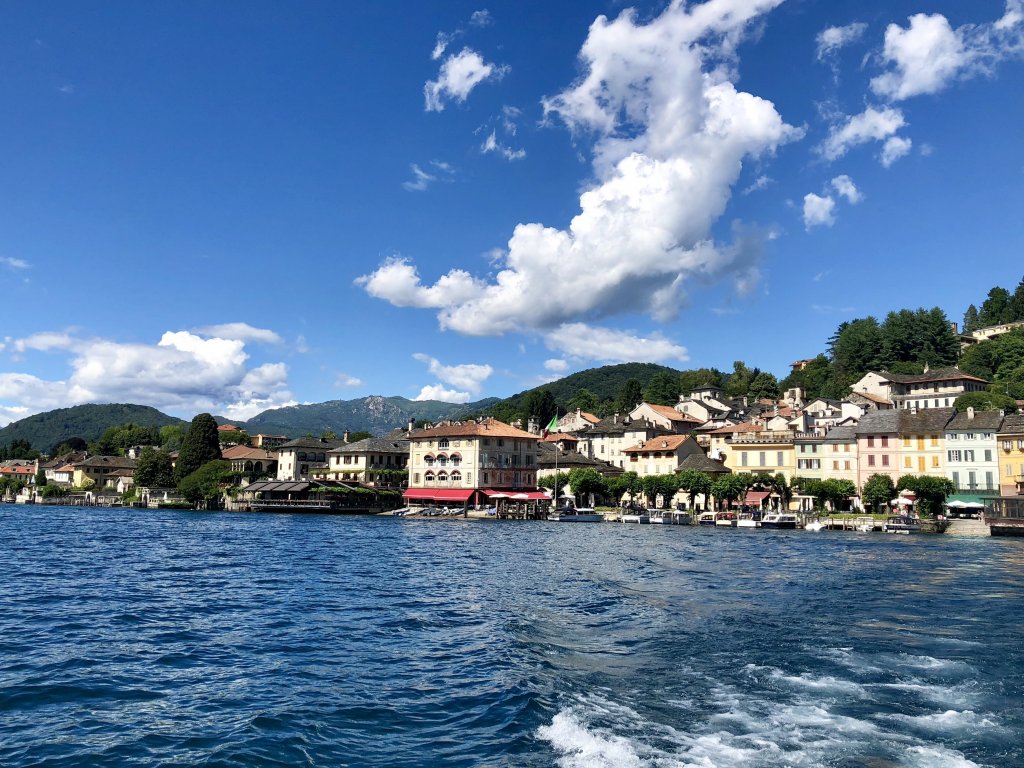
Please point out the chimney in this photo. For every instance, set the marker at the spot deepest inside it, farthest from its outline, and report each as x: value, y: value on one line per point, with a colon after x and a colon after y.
x: 926, y: 367
x: 345, y: 437
x: 615, y: 419
x: 531, y: 426
x: 411, y: 425
x: 970, y: 412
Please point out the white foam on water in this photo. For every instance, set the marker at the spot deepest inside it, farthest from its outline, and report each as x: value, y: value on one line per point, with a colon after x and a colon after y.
x: 805, y: 681
x: 937, y: 757
x: 951, y: 721
x: 957, y: 696
x: 931, y: 663
x: 583, y: 747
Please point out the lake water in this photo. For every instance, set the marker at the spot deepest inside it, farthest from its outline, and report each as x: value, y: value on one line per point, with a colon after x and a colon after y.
x: 143, y: 638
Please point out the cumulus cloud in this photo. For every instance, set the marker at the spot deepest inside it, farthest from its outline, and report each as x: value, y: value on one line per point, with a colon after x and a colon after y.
x: 612, y: 346
x: 818, y: 211
x: 398, y: 282
x: 468, y: 376
x: 844, y: 186
x: 670, y: 143
x: 12, y: 263
x: 240, y: 332
x: 182, y: 373
x: 556, y: 365
x: 870, y: 125
x: 460, y: 74
x: 894, y: 149
x: 761, y: 182
x: 481, y: 18
x: 831, y: 39
x: 439, y: 392
x: 929, y: 54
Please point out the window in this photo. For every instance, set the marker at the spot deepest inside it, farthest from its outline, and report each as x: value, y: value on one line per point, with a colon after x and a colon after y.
x: 456, y: 476
x: 935, y: 461
x: 442, y: 443
x: 968, y: 455
x: 970, y: 436
x: 846, y: 465
x: 953, y: 455
x: 1009, y: 470
x: 935, y: 441
x: 885, y: 460
x: 762, y: 458
x: 988, y: 454
x: 906, y: 462
x: 743, y: 458
x: 871, y: 460
x: 778, y: 459
x: 429, y: 477
x: 871, y: 441
x: 885, y: 441
x: 906, y: 442
x: 835, y: 465
x: 952, y: 436
x: 956, y: 479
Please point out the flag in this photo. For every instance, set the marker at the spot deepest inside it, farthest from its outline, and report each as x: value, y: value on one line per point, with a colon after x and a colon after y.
x: 552, y: 426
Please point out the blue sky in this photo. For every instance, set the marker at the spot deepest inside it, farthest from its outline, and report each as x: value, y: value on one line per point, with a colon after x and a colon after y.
x: 230, y: 206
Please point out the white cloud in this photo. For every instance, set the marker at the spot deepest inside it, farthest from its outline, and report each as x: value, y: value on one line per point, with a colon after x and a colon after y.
x: 468, y: 376
x: 12, y: 413
x: 182, y: 373
x: 818, y: 211
x: 440, y: 46
x: 491, y: 144
x: 12, y: 263
x: 612, y: 346
x: 420, y: 179
x: 439, y: 392
x: 556, y: 365
x: 831, y: 39
x: 844, y: 186
x: 481, y: 18
x: 459, y: 75
x: 761, y: 182
x: 240, y: 332
x: 929, y: 54
x: 344, y: 380
x: 398, y: 282
x: 895, y: 148
x: 870, y: 125
x: 671, y: 140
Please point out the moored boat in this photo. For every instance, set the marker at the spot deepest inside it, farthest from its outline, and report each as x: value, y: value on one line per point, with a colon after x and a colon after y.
x: 864, y: 524
x: 904, y: 524
x: 573, y: 515
x: 783, y: 520
x: 748, y: 520
x: 706, y: 518
x: 636, y: 517
x: 725, y: 520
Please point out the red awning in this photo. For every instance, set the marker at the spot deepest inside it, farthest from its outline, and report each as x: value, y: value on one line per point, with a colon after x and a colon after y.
x: 439, y: 494
x: 756, y: 497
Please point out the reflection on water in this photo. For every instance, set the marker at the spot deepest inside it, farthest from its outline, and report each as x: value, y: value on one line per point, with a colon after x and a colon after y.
x: 150, y: 638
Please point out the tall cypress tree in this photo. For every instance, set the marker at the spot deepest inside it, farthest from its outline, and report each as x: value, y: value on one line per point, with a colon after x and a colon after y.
x: 200, y: 445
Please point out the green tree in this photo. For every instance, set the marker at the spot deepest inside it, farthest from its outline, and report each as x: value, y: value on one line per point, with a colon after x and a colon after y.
x: 539, y: 404
x: 234, y: 437
x: 985, y: 401
x: 763, y: 385
x: 203, y: 486
x: 626, y: 483
x: 996, y: 308
x: 355, y: 437
x: 584, y: 400
x: 69, y: 445
x: 781, y: 487
x: 171, y: 437
x: 549, y: 481
x: 154, y: 469
x: 971, y: 319
x: 931, y: 492
x: 739, y: 380
x: 587, y: 482
x: 630, y: 396
x: 695, y: 483
x: 730, y: 488
x: 878, y: 490
x: 855, y: 348
x: 41, y: 478
x: 663, y: 389
x: 200, y: 446
x: 700, y: 377
x: 815, y: 379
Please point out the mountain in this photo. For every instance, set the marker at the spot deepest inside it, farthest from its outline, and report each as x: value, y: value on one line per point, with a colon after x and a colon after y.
x: 45, y: 430
x: 374, y: 414
x: 605, y: 382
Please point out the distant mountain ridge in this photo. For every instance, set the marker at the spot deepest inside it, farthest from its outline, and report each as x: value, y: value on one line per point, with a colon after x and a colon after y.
x: 375, y: 414
x: 46, y: 430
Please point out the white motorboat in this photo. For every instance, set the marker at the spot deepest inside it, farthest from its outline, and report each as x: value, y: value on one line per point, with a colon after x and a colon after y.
x: 669, y: 517
x: 706, y: 518
x: 725, y: 520
x: 576, y: 515
x: 784, y: 520
x: 904, y: 524
x: 747, y: 520
x: 636, y: 517
x: 814, y: 525
x: 864, y: 524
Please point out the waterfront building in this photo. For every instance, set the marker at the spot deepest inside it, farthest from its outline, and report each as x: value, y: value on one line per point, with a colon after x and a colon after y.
x: 102, y: 470
x: 660, y: 455
x: 937, y: 388
x: 253, y: 463
x: 268, y: 442
x: 704, y: 404
x: 378, y: 462
x: 921, y: 447
x: 972, y: 460
x: 1010, y: 441
x: 559, y: 456
x: 839, y: 454
x: 468, y: 462
x: 297, y: 459
x: 609, y: 438
x: 810, y: 455
x: 750, y: 447
x: 877, y: 435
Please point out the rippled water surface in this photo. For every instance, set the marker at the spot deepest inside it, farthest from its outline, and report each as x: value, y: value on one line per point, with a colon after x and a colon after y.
x: 169, y: 638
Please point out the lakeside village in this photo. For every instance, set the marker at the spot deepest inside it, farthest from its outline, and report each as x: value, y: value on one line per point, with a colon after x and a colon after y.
x: 895, y: 445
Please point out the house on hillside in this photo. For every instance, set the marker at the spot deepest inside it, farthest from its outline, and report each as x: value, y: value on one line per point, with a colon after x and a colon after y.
x: 608, y: 439
x: 937, y: 388
x: 297, y: 459
x: 660, y: 455
x: 972, y: 458
x: 665, y: 417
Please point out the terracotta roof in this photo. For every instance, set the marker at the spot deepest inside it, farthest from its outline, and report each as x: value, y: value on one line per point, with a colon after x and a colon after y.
x: 229, y: 428
x: 589, y: 417
x: 663, y: 443
x: 17, y: 471
x: 236, y: 452
x: 483, y: 428
x: 671, y: 413
x: 558, y: 437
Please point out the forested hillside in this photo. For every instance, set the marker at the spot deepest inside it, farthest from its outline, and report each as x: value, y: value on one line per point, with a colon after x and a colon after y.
x: 43, y: 431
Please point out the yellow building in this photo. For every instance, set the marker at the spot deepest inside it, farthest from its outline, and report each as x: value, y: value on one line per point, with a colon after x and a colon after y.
x: 750, y: 448
x: 1010, y: 449
x: 921, y: 443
